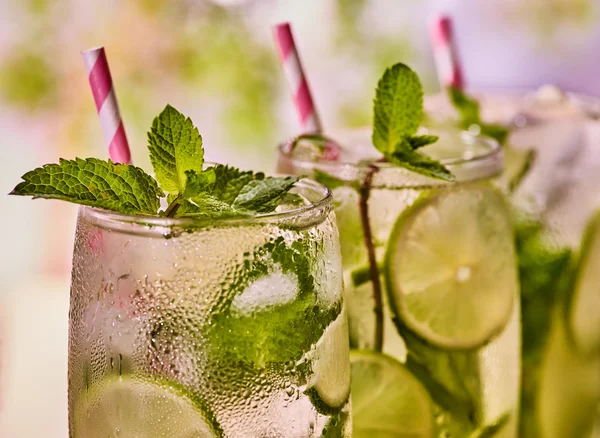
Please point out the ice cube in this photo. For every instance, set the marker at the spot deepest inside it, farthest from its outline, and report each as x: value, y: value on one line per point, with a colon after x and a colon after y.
x: 273, y: 290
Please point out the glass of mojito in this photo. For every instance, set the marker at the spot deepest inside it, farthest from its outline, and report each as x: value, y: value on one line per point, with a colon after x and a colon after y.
x: 205, y: 303
x: 430, y: 274
x: 555, y: 204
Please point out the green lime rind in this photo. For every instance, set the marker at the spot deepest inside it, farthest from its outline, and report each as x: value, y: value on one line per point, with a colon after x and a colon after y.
x: 443, y: 232
x: 583, y: 297
x: 141, y: 407
x: 329, y: 385
x: 387, y: 400
x: 321, y: 406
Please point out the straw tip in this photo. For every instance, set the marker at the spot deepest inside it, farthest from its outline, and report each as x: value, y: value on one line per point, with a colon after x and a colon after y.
x: 92, y: 50
x: 442, y: 21
x: 284, y: 25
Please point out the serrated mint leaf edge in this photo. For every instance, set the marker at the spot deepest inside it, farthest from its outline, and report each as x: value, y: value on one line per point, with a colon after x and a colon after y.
x: 175, y: 146
x: 401, y: 120
x: 145, y: 203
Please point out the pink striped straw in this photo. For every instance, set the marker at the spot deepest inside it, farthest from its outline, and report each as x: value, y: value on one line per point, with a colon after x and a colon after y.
x: 292, y: 68
x: 445, y: 54
x: 103, y: 91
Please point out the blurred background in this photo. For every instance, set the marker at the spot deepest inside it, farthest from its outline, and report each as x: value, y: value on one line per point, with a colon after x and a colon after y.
x: 214, y: 61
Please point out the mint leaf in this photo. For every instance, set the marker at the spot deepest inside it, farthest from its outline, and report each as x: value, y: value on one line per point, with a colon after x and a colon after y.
x: 468, y: 109
x: 398, y: 112
x: 262, y: 195
x: 331, y: 181
x: 419, y: 141
x: 175, y: 147
x: 224, y: 190
x: 497, y: 132
x: 398, y: 107
x: 97, y: 183
x: 221, y: 181
x: 420, y: 163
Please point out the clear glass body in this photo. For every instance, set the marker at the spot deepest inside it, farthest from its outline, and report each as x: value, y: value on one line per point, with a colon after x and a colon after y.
x: 556, y: 208
x: 225, y: 328
x: 489, y: 373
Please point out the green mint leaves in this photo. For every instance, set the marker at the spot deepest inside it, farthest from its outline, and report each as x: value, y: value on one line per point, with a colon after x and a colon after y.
x: 175, y: 148
x: 94, y: 182
x: 468, y: 109
x: 397, y: 114
x: 223, y: 190
x: 398, y: 108
x: 177, y: 155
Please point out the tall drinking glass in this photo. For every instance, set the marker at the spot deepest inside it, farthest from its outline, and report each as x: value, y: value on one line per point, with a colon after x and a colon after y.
x: 557, y: 216
x: 228, y: 327
x: 431, y: 280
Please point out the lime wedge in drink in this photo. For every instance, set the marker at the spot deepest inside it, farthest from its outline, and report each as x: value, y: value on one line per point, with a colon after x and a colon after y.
x: 583, y: 324
x: 135, y: 408
x: 329, y: 388
x: 450, y: 267
x: 568, y: 388
x: 387, y: 400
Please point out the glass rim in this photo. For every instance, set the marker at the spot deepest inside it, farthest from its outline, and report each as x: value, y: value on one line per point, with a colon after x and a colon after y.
x: 112, y: 219
x: 589, y: 104
x: 494, y: 153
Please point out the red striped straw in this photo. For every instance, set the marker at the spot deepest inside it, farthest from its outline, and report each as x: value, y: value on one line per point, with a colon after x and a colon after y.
x: 445, y: 54
x: 292, y: 68
x: 103, y: 91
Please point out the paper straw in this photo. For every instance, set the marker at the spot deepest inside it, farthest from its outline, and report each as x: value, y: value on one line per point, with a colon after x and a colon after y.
x: 292, y: 68
x: 105, y: 98
x: 445, y: 54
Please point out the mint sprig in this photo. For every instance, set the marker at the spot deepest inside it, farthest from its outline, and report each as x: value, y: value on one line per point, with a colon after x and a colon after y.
x: 177, y: 155
x: 94, y: 182
x: 175, y: 147
x: 469, y: 112
x: 397, y: 115
x: 224, y: 190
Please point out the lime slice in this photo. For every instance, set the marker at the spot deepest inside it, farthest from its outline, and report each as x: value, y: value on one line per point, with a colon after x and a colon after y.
x: 127, y: 407
x: 569, y: 388
x: 583, y: 324
x: 329, y: 388
x: 450, y: 267
x: 388, y: 401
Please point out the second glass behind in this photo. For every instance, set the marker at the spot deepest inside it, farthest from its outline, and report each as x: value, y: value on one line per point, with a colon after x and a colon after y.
x: 430, y: 276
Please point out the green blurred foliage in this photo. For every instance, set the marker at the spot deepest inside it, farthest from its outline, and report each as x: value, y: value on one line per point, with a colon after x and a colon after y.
x: 28, y: 80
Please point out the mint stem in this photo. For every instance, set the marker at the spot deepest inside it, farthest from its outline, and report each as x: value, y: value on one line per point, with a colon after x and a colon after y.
x: 365, y: 191
x: 173, y: 207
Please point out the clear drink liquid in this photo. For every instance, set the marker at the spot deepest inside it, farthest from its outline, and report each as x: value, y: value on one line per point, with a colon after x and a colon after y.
x: 231, y: 328
x: 423, y: 229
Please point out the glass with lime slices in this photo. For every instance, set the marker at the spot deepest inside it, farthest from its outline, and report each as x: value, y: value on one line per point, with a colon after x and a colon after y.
x: 430, y: 278
x: 205, y: 303
x: 552, y: 149
x: 228, y: 327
